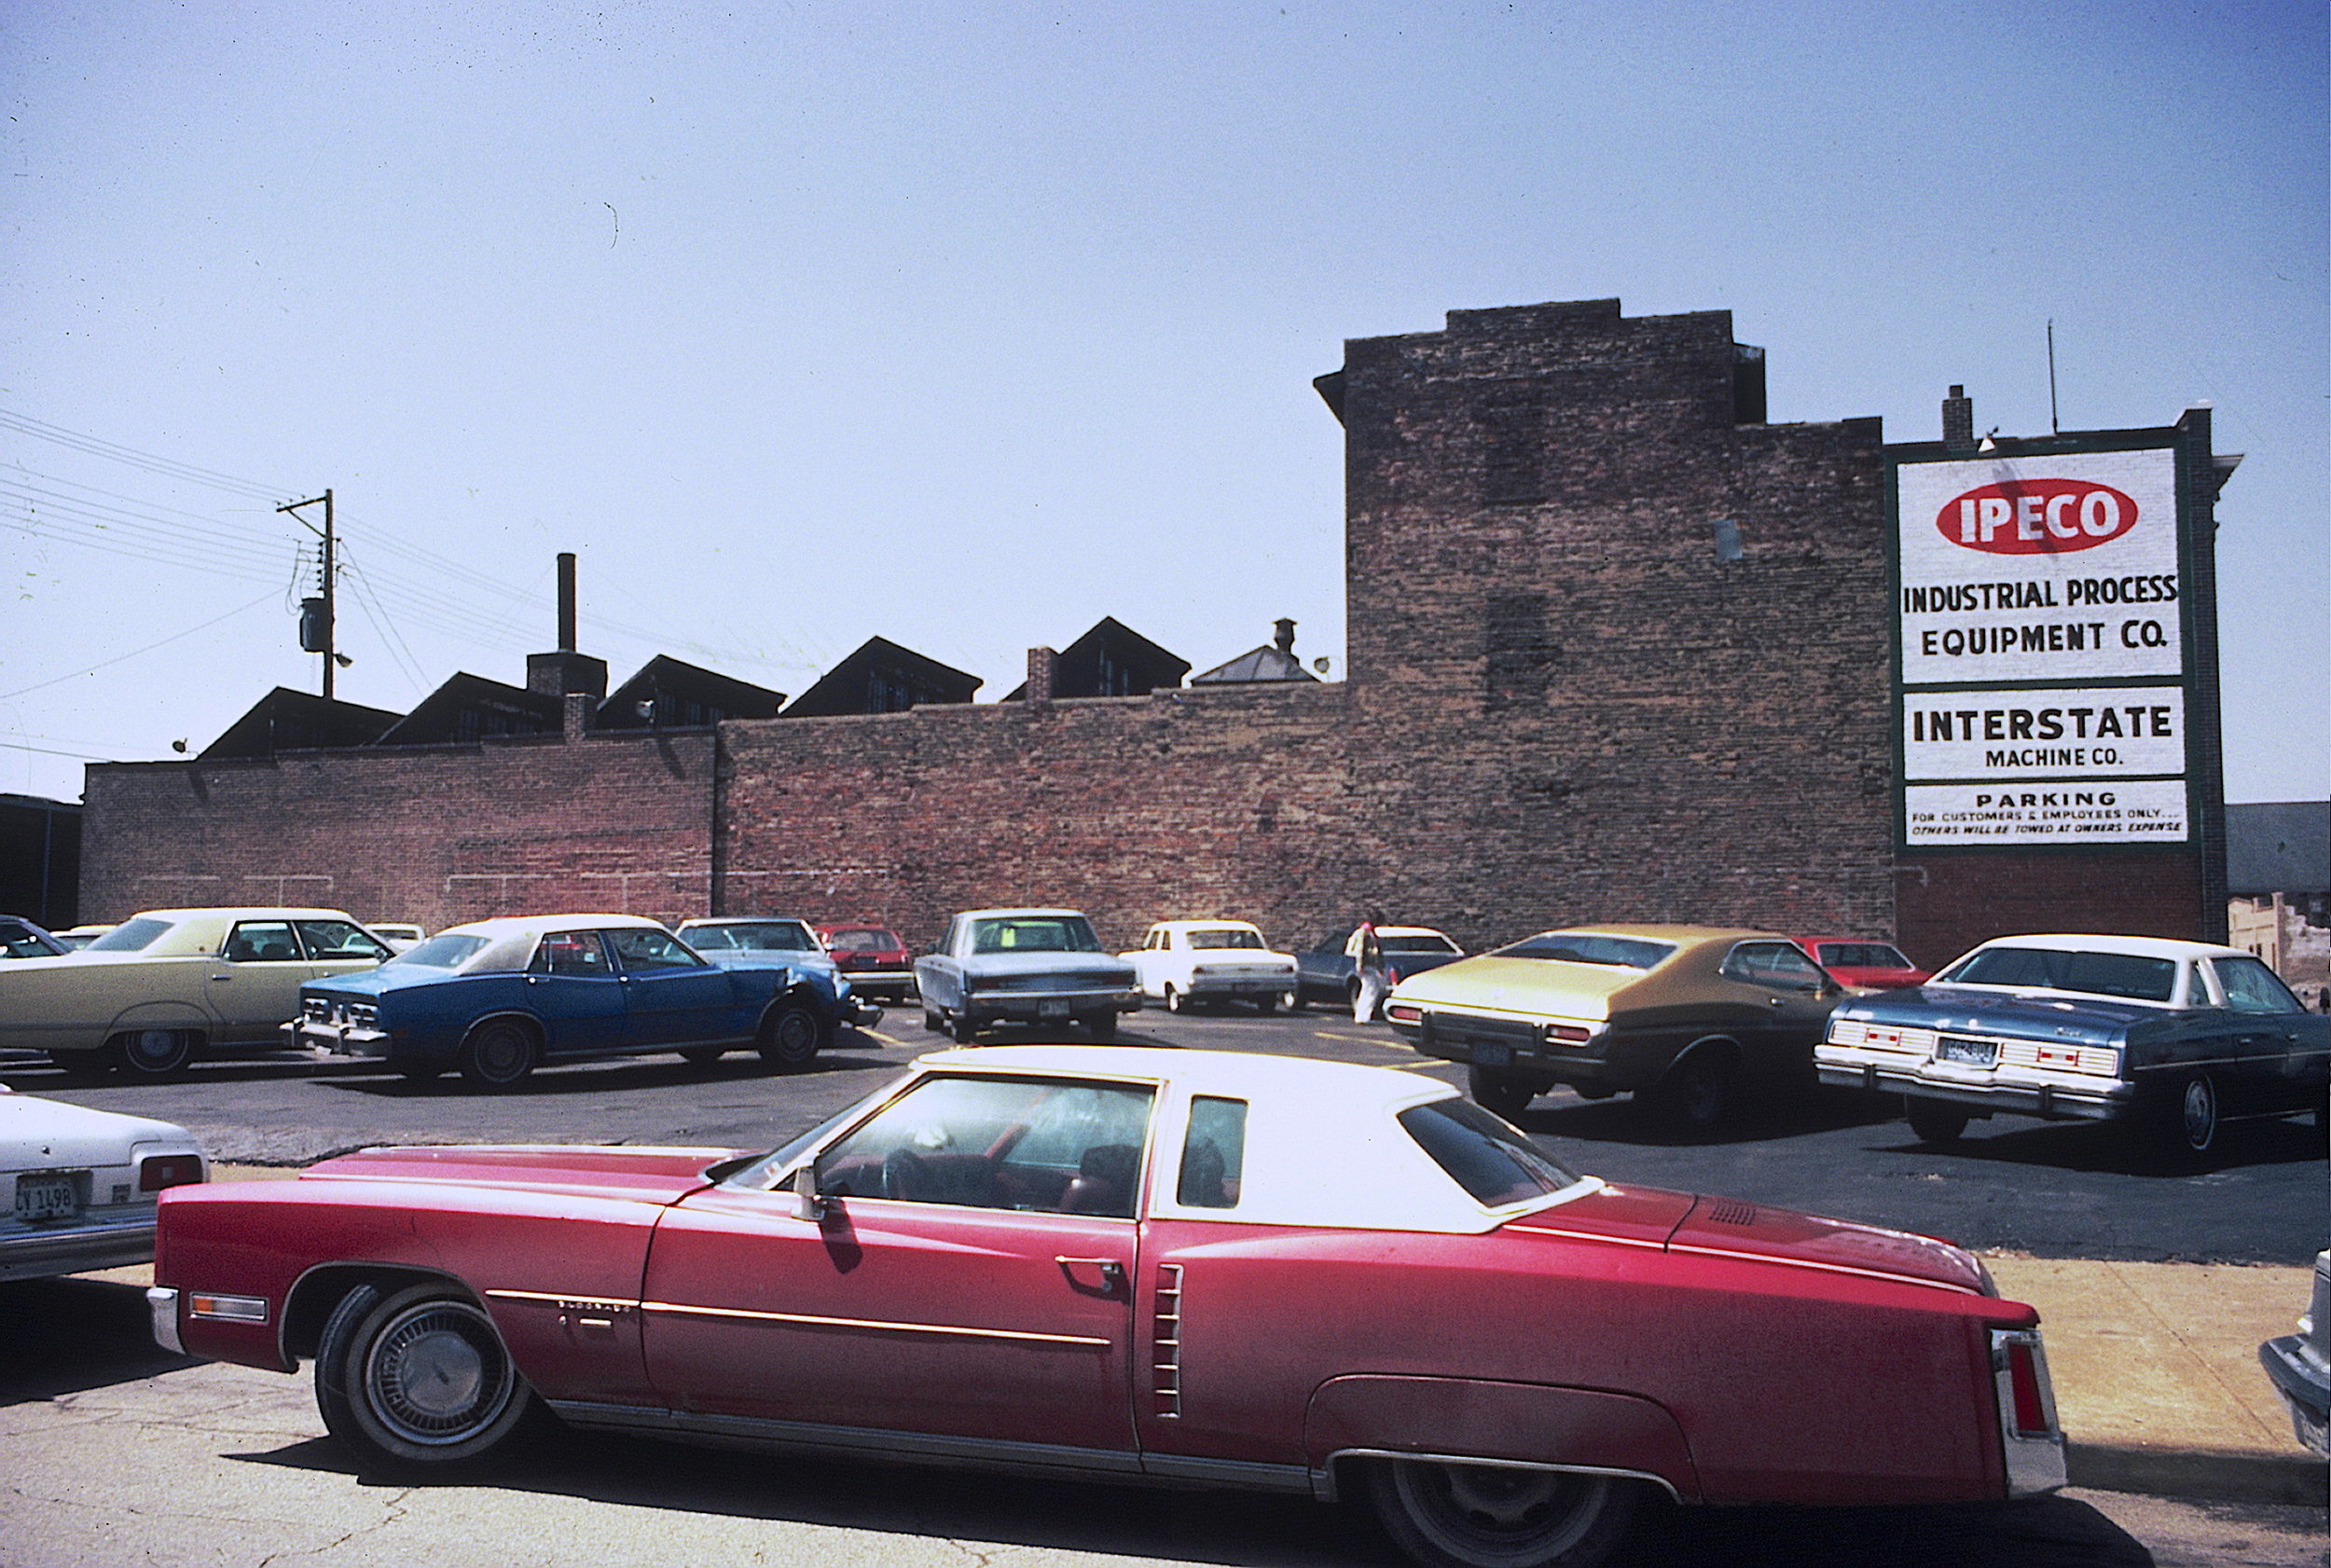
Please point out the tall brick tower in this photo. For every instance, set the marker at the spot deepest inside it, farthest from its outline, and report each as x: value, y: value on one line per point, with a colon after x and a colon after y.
x: 1618, y: 645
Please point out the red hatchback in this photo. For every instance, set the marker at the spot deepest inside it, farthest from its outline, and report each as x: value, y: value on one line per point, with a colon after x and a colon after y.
x: 1860, y: 964
x: 872, y: 958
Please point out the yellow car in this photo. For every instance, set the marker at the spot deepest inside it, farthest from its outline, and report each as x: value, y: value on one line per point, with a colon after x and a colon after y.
x: 1678, y: 1014
x: 168, y: 984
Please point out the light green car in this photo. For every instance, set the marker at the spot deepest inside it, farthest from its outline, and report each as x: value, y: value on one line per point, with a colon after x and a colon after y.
x: 168, y: 984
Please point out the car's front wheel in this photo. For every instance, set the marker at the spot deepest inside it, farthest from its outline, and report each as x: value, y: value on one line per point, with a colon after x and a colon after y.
x: 1177, y: 1000
x: 499, y: 1052
x: 418, y: 1378
x: 788, y: 1037
x: 1494, y: 1515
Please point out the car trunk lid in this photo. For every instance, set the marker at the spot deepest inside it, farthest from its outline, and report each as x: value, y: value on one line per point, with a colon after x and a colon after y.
x: 1735, y: 1228
x: 658, y: 1175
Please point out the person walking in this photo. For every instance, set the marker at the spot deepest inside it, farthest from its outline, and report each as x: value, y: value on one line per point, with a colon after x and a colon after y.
x: 1367, y: 971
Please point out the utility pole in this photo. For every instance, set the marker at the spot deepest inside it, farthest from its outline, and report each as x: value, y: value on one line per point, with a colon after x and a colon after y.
x: 325, y: 643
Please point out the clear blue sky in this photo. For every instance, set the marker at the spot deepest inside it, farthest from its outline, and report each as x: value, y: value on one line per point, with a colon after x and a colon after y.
x: 967, y: 326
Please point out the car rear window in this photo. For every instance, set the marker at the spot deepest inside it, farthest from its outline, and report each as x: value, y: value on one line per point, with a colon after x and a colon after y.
x: 879, y: 941
x: 1050, y: 933
x: 771, y: 936
x: 1495, y: 1162
x: 440, y: 953
x: 1416, y: 944
x: 1224, y: 936
x: 1862, y: 956
x: 1580, y: 947
x: 2126, y: 975
x: 130, y: 936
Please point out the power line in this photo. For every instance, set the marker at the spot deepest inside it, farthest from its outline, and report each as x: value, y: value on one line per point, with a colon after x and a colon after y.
x: 119, y: 658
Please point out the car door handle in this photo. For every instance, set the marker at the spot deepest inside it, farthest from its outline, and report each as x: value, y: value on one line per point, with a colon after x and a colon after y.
x: 1106, y: 1276
x: 216, y: 977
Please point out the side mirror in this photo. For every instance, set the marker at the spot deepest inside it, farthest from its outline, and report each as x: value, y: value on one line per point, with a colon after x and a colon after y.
x: 809, y: 1203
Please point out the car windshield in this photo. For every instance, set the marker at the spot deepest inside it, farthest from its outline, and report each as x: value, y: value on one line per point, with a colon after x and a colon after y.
x: 1862, y: 956
x: 1034, y: 933
x: 2128, y: 976
x: 1224, y: 936
x: 1584, y: 948
x: 866, y: 941
x: 760, y: 936
x: 130, y: 936
x: 764, y: 1173
x: 1427, y: 942
x: 1495, y: 1162
x: 441, y: 952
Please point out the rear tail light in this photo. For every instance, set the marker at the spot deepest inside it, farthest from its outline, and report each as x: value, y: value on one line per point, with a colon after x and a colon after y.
x: 1567, y: 1034
x: 2023, y: 1382
x: 1404, y: 1012
x: 157, y: 1171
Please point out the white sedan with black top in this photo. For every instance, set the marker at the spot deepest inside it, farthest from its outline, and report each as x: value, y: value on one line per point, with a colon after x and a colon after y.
x: 2178, y: 1035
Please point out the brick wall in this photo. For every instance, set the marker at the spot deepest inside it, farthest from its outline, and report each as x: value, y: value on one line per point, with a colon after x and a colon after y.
x: 433, y: 834
x: 1581, y: 711
x: 1952, y: 903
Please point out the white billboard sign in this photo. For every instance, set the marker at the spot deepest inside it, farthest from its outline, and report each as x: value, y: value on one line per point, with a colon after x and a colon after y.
x: 2022, y: 569
x: 1995, y: 816
x: 2063, y: 732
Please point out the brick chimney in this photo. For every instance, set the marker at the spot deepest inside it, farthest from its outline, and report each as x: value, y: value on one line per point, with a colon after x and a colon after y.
x: 1039, y: 674
x: 1958, y: 421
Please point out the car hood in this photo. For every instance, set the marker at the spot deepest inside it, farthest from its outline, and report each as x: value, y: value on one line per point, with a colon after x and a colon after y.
x: 1521, y: 985
x: 796, y: 959
x: 1989, y: 1012
x: 1100, y: 965
x: 655, y: 1176
x: 40, y: 1133
x: 1690, y: 1224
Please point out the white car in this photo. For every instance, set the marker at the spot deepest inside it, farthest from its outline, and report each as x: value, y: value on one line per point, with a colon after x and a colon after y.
x: 82, y: 1185
x: 1196, y: 963
x: 402, y: 936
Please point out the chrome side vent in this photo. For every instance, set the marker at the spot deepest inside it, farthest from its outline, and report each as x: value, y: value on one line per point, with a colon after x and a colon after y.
x: 1165, y: 1344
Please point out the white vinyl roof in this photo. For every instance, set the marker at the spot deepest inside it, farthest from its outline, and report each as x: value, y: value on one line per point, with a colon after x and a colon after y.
x: 1324, y: 1146
x: 2136, y: 947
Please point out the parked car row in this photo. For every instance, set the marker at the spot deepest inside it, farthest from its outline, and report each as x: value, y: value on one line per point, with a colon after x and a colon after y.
x: 2173, y: 1037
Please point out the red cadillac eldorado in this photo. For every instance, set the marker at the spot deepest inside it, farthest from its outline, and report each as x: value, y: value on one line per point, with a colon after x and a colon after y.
x: 1185, y: 1266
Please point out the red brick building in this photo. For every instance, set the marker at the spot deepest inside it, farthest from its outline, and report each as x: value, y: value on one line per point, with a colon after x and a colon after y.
x: 1618, y: 649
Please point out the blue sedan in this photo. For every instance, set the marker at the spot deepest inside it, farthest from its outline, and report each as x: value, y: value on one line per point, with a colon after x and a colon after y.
x: 497, y: 998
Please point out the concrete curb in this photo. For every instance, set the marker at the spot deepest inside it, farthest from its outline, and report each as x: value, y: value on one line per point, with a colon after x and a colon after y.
x: 2200, y: 1475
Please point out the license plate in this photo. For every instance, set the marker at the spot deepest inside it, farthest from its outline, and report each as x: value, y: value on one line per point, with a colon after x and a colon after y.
x: 1973, y: 1053
x: 1052, y: 1009
x: 44, y: 1197
x: 1493, y: 1056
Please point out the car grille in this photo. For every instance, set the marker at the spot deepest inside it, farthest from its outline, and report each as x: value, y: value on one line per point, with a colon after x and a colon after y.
x: 325, y: 1010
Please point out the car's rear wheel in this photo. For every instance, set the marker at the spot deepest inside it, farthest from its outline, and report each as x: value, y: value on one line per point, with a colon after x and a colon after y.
x: 1500, y: 1093
x: 1697, y: 1093
x: 1102, y: 1026
x: 1497, y: 1516
x: 788, y: 1037
x: 1934, y: 1120
x: 2194, y: 1114
x: 418, y: 1378
x: 933, y: 1023
x: 961, y: 1030
x: 153, y: 1053
x: 499, y: 1052
x: 1268, y: 1003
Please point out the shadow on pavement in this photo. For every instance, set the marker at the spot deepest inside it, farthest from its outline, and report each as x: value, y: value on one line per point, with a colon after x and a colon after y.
x: 607, y: 1076
x: 1772, y: 1113
x: 66, y: 1336
x: 1237, y: 1529
x: 2111, y: 1149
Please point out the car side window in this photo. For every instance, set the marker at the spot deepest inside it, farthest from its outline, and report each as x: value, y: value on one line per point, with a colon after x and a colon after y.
x: 17, y: 942
x: 260, y: 942
x: 640, y: 948
x: 338, y: 939
x: 1058, y: 1146
x: 1213, y: 1154
x: 570, y: 952
x: 2250, y: 986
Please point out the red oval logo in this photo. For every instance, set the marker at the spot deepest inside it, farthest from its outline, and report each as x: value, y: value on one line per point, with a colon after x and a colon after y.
x: 2037, y: 517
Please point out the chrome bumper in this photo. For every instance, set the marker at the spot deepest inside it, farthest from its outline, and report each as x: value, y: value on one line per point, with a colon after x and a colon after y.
x: 162, y: 1307
x: 2065, y: 1096
x: 336, y: 1040
x: 77, y: 1249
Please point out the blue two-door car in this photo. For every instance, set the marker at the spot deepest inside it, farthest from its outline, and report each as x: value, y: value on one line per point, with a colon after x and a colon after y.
x: 496, y: 999
x: 2175, y: 1038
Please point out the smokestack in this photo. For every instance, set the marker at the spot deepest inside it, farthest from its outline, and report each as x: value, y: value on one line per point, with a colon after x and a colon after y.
x: 566, y: 600
x: 1958, y: 421
x: 1284, y: 638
